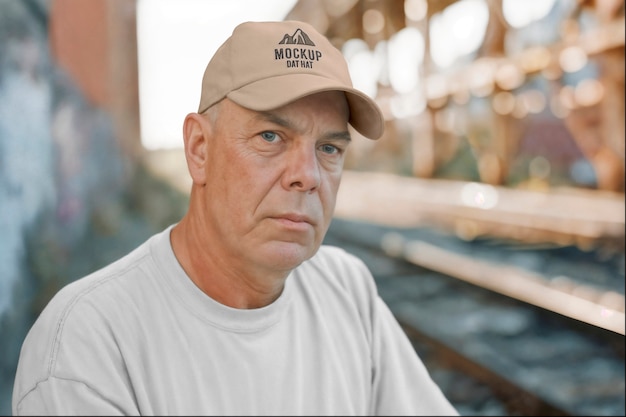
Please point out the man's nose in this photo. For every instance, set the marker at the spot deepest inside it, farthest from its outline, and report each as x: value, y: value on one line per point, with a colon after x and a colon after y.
x: 303, y: 169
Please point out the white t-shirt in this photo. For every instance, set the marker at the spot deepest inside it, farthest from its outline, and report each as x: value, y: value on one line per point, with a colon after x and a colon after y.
x: 138, y: 337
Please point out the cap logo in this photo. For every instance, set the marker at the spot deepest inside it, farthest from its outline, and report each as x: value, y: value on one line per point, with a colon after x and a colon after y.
x: 299, y: 37
x: 297, y: 57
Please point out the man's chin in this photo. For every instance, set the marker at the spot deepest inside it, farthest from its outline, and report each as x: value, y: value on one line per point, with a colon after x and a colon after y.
x: 286, y: 256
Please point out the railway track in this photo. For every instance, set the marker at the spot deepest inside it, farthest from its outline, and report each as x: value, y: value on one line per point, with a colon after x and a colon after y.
x: 505, y: 328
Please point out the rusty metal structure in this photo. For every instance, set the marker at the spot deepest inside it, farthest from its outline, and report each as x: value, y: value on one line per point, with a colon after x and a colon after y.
x: 588, y: 114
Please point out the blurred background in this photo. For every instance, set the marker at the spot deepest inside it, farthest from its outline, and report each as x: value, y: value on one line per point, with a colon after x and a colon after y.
x: 491, y: 212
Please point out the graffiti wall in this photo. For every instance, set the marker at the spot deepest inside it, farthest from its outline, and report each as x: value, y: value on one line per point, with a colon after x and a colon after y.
x: 68, y: 204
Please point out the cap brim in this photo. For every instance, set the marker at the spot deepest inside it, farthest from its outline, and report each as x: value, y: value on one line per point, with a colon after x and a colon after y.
x: 271, y: 93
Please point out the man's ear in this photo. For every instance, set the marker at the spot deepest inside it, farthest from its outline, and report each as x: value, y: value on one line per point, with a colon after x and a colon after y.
x: 195, y: 135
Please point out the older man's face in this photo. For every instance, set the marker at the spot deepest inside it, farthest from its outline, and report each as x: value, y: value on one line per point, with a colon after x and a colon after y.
x: 272, y: 178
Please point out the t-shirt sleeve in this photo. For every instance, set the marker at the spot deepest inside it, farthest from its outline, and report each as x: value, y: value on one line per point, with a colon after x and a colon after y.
x: 71, y: 364
x: 401, y: 382
x: 56, y: 396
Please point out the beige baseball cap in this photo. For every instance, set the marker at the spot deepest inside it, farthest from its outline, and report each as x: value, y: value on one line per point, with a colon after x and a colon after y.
x: 265, y: 65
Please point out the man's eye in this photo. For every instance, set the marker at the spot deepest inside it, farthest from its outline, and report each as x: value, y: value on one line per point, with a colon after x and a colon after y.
x: 329, y: 149
x: 269, y: 136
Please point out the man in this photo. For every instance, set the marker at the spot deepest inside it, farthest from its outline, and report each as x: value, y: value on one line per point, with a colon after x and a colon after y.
x: 238, y: 309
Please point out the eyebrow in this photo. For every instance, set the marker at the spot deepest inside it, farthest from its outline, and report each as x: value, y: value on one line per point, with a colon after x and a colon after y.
x: 276, y: 119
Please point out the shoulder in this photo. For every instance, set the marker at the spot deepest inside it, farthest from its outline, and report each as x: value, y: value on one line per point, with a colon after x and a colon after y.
x: 82, y: 309
x: 110, y: 278
x: 128, y: 274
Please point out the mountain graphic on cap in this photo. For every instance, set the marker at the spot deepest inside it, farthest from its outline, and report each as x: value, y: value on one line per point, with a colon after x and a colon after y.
x: 298, y: 38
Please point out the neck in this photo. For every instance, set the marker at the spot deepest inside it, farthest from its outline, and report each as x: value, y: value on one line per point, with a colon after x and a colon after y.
x: 221, y: 276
